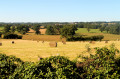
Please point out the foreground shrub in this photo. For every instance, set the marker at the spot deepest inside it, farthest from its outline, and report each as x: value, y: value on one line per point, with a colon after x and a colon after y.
x: 12, y: 36
x: 57, y: 67
x: 8, y: 64
x: 102, y: 65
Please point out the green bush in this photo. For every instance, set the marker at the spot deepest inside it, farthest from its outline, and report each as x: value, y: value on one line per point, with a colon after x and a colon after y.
x: 12, y: 36
x: 85, y: 38
x: 102, y: 65
x: 8, y: 64
x: 54, y: 67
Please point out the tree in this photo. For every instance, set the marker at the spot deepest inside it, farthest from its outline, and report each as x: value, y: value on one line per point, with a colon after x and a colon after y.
x: 37, y: 28
x: 68, y: 31
x: 50, y: 30
x: 102, y: 28
x: 88, y: 29
x: 115, y: 29
x: 23, y: 29
x: 107, y: 29
x: 7, y: 28
x: 13, y: 29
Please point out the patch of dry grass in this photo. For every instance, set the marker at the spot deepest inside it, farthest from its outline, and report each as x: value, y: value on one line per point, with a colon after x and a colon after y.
x: 29, y: 50
x: 42, y: 37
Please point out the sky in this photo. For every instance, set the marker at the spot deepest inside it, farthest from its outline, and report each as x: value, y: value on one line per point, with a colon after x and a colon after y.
x: 59, y: 10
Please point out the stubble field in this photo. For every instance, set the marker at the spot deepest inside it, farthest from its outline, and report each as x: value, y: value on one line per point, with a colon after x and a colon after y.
x: 29, y: 50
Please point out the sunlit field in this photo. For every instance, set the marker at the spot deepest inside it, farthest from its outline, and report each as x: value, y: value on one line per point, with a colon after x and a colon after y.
x: 107, y: 36
x: 29, y: 50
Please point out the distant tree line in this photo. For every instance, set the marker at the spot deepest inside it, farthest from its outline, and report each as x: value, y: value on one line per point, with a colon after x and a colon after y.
x: 65, y: 29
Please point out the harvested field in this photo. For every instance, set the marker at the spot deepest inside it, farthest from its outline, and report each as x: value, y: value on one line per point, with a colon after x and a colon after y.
x: 29, y: 50
x: 42, y: 37
x: 42, y: 31
x: 31, y: 31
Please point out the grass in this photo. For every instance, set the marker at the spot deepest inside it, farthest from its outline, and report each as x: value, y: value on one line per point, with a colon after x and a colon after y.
x: 42, y: 37
x: 84, y: 30
x: 29, y: 50
x: 92, y: 32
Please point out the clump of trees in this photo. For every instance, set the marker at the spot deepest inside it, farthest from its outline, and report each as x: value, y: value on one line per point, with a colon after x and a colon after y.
x: 36, y: 28
x: 22, y: 29
x: 54, y: 29
x: 65, y: 31
x: 68, y: 31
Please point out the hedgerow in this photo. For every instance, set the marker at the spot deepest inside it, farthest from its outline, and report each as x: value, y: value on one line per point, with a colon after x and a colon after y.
x: 85, y: 38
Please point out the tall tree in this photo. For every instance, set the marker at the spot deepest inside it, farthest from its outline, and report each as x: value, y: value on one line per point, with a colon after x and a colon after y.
x: 102, y: 28
x: 107, y: 28
x: 68, y: 31
x: 88, y: 29
x: 50, y: 30
x: 13, y: 29
x: 7, y: 28
x: 37, y: 28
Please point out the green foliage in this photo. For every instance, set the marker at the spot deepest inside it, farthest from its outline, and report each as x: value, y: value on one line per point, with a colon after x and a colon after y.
x: 8, y: 64
x: 13, y: 29
x: 88, y: 29
x: 54, y: 30
x: 85, y: 38
x: 107, y: 29
x: 57, y: 67
x: 102, y: 28
x: 36, y: 28
x: 68, y: 31
x: 6, y: 28
x: 12, y: 36
x: 23, y: 29
x: 102, y: 64
x: 115, y: 29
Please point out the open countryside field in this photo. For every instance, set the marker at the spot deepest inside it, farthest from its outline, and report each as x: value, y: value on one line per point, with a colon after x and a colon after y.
x: 29, y: 50
x: 107, y: 36
x: 31, y: 35
x: 84, y: 30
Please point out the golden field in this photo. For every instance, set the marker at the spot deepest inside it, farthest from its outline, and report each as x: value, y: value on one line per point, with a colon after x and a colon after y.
x: 29, y: 50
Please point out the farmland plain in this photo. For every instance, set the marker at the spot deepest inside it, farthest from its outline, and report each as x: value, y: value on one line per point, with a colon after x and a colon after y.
x: 29, y: 50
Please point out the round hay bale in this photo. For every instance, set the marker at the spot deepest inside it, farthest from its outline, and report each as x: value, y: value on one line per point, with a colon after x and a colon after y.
x: 42, y: 41
x: 106, y: 41
x: 13, y: 42
x: 63, y: 42
x: 0, y: 44
x: 53, y: 44
x: 92, y: 42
